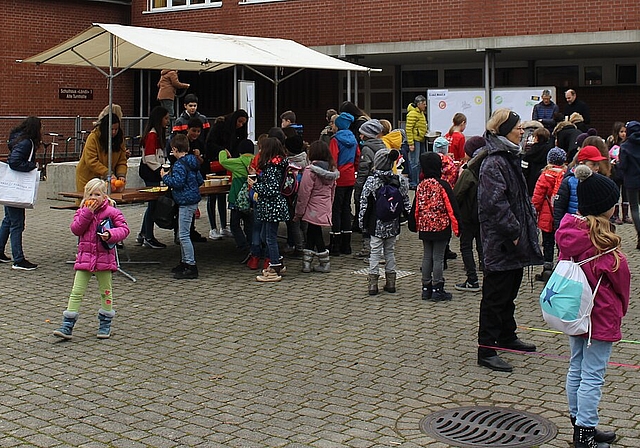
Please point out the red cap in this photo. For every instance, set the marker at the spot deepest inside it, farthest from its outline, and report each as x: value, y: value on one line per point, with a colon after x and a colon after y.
x: 590, y: 153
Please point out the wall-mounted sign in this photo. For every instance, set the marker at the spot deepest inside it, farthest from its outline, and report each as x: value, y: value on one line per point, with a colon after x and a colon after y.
x: 68, y: 93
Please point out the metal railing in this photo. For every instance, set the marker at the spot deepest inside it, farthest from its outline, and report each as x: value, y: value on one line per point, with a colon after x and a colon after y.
x: 64, y: 137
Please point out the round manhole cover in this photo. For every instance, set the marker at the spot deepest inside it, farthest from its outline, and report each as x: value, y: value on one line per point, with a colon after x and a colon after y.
x: 478, y: 426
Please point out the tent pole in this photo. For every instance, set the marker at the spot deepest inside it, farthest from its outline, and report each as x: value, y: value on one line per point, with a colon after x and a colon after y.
x: 348, y: 85
x: 275, y: 96
x: 110, y: 138
x: 235, y: 87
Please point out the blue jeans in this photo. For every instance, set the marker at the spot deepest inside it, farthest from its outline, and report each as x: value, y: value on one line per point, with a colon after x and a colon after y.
x: 185, y: 216
x: 414, y: 163
x: 257, y: 237
x: 271, y: 229
x: 13, y: 225
x: 585, y: 378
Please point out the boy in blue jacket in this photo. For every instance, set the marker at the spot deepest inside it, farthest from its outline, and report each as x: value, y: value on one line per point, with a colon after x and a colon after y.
x: 184, y: 179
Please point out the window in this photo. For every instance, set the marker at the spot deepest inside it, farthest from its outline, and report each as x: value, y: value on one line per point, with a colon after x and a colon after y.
x: 593, y: 76
x: 560, y: 76
x: 626, y: 74
x: 183, y: 4
x: 463, y: 77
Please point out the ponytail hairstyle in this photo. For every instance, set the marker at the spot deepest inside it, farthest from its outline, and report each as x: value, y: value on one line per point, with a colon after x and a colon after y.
x: 458, y: 119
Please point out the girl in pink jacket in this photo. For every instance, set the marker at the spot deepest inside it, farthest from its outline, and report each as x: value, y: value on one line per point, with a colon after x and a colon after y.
x: 579, y: 238
x: 98, y: 226
x: 314, y: 204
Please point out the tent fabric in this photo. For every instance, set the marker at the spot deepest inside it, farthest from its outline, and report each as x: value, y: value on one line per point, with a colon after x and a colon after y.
x: 156, y: 49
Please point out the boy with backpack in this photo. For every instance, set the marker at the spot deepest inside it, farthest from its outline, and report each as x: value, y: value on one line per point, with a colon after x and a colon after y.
x: 385, y: 196
x: 544, y: 194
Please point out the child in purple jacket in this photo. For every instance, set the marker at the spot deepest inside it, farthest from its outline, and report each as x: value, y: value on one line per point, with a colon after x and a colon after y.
x: 98, y: 226
x: 579, y: 238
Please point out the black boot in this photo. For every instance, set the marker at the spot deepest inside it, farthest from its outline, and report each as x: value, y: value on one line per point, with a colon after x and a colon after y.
x: 390, y: 282
x: 190, y: 271
x: 439, y: 294
x: 584, y: 437
x: 345, y: 243
x: 373, y: 284
x: 334, y: 243
x: 600, y: 436
x: 543, y: 276
x: 427, y: 291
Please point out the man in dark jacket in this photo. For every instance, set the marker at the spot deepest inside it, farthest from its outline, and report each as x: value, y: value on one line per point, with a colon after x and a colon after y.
x: 576, y: 105
x: 629, y: 164
x: 545, y: 111
x: 509, y: 238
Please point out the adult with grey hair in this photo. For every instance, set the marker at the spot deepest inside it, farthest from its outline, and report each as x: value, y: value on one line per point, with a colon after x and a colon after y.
x: 416, y: 128
x: 576, y: 105
x: 509, y: 238
x: 545, y: 110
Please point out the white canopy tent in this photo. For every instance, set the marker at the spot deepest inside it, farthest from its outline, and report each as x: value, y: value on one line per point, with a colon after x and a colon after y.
x: 113, y: 46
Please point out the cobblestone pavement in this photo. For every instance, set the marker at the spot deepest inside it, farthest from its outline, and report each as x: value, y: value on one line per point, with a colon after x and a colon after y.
x: 224, y: 361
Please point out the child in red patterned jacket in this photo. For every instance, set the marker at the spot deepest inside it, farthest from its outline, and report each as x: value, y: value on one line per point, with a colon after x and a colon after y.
x: 544, y: 194
x: 436, y: 217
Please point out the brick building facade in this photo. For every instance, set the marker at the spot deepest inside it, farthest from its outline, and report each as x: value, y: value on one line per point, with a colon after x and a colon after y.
x: 418, y: 44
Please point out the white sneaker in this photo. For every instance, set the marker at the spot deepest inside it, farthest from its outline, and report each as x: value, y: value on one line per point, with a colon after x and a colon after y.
x: 226, y: 232
x: 214, y: 235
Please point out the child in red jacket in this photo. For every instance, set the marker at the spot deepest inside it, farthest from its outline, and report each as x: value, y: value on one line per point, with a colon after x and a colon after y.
x: 544, y: 194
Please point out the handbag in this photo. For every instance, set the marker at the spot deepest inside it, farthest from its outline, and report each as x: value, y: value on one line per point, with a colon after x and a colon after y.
x: 166, y: 214
x: 19, y: 188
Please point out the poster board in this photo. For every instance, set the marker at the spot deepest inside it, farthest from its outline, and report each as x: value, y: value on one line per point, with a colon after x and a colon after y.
x: 520, y: 100
x: 443, y: 104
x: 247, y: 101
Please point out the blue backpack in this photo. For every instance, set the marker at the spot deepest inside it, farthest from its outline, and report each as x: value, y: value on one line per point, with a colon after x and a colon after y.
x: 389, y: 201
x: 567, y: 298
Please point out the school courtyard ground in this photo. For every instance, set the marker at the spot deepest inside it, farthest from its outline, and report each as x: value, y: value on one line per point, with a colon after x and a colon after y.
x: 312, y: 361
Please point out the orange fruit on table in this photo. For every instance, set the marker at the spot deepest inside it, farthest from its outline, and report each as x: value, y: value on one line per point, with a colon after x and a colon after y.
x: 119, y: 183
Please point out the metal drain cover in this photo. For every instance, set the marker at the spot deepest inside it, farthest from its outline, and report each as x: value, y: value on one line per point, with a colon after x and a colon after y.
x: 478, y: 426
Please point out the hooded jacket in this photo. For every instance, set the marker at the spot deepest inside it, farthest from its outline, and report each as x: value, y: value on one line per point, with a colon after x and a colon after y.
x: 271, y: 205
x: 367, y: 216
x: 185, y: 180
x: 612, y: 298
x: 505, y: 211
x: 365, y: 166
x: 629, y: 161
x: 92, y: 255
x: 168, y: 84
x: 315, y: 194
x: 566, y: 134
x: 344, y: 150
x: 21, y: 157
x: 466, y: 191
x: 238, y: 166
x: 416, y: 124
x: 544, y: 196
x: 566, y: 200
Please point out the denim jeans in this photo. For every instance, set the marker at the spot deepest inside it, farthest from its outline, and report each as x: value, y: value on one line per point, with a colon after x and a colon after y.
x: 271, y: 230
x: 382, y: 247
x: 185, y: 216
x: 468, y: 233
x: 585, y: 378
x: 257, y: 237
x: 240, y: 235
x: 433, y: 261
x: 13, y: 226
x: 414, y: 163
x: 634, y: 196
x: 221, y: 199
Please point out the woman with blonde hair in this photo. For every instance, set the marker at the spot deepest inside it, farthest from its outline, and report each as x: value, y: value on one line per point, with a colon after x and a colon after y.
x: 509, y: 238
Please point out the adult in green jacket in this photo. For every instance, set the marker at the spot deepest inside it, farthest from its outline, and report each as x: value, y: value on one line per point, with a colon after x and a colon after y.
x: 416, y: 128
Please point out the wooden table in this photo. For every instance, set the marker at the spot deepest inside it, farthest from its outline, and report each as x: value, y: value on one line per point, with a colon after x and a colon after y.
x: 133, y: 195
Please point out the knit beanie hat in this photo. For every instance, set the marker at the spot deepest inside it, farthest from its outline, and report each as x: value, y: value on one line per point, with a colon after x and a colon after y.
x: 441, y: 145
x: 556, y: 156
x: 343, y: 121
x: 581, y: 138
x: 633, y: 126
x: 393, y: 140
x: 596, y: 193
x: 294, y: 144
x: 384, y: 158
x: 473, y: 144
x: 371, y: 128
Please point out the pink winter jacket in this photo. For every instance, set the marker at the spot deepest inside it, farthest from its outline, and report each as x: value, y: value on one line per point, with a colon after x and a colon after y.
x: 612, y: 299
x: 92, y: 255
x: 315, y: 194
